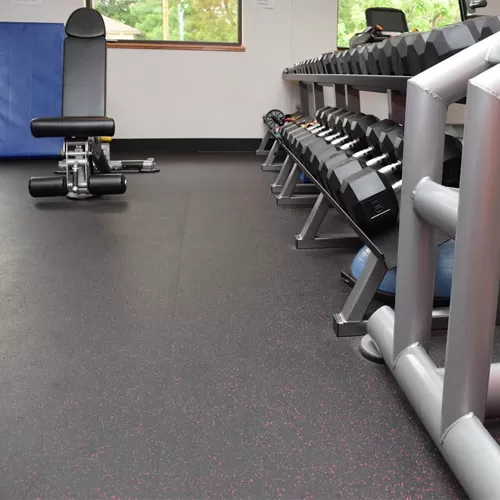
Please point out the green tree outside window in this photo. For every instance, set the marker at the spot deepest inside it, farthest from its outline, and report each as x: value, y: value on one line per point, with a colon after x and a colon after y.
x: 187, y: 20
x: 422, y: 15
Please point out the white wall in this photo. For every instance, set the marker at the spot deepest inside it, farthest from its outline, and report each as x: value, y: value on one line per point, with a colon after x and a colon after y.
x: 168, y: 93
x: 47, y: 11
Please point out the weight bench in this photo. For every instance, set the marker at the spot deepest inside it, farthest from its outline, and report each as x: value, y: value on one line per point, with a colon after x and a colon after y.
x: 84, y: 117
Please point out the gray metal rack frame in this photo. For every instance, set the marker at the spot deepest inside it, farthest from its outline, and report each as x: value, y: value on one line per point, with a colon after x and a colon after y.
x: 452, y: 402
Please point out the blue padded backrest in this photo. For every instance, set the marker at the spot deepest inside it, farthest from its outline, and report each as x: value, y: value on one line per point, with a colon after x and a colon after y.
x: 85, y: 60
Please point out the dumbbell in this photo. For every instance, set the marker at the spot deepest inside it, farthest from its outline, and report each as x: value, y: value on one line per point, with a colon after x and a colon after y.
x: 370, y: 198
x: 305, y: 131
x: 372, y: 201
x: 326, y: 63
x: 372, y: 136
x: 332, y: 129
x: 294, y: 128
x: 411, y: 53
x: 390, y: 147
x: 332, y: 63
x: 365, y: 141
x: 344, y: 120
x: 342, y: 62
x: 317, y: 120
x: 321, y: 118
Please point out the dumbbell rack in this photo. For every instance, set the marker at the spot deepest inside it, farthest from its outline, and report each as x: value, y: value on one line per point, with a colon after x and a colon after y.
x: 350, y: 321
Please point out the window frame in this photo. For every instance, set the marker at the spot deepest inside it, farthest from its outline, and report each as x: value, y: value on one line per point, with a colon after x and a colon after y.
x: 181, y: 45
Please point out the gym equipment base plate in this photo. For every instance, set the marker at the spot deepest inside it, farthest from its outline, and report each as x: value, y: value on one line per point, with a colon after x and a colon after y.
x: 298, y: 189
x: 296, y: 201
x: 273, y: 167
x: 345, y: 328
x: 369, y: 350
x: 327, y: 241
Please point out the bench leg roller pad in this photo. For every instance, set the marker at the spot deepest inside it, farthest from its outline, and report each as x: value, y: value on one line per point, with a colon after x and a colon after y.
x: 107, y: 184
x: 41, y: 187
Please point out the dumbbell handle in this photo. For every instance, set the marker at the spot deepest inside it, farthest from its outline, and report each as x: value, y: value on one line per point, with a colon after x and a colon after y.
x: 397, y: 185
x: 363, y: 152
x: 333, y: 136
x: 322, y: 129
x: 324, y: 133
x: 340, y: 140
x: 310, y: 128
x: 390, y: 169
x: 349, y: 145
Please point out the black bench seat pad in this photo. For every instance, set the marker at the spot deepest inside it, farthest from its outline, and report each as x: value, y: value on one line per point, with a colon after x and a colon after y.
x: 73, y: 126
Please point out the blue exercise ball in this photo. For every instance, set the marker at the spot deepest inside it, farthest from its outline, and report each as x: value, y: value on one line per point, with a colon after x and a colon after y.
x: 444, y: 270
x: 304, y: 179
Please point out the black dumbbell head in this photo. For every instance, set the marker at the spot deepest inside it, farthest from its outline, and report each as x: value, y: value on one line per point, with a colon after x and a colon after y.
x: 374, y: 132
x: 392, y: 142
x: 373, y: 60
x: 385, y: 55
x: 332, y: 63
x: 353, y: 62
x: 482, y: 27
x: 446, y: 42
x: 334, y: 119
x: 326, y: 63
x: 359, y: 125
x: 399, y: 54
x: 343, y: 59
x: 362, y: 59
x: 340, y: 171
x: 370, y: 200
x: 320, y: 112
x: 486, y: 26
x: 349, y: 121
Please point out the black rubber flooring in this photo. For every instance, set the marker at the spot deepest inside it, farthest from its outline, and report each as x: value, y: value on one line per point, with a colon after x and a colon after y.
x: 172, y: 343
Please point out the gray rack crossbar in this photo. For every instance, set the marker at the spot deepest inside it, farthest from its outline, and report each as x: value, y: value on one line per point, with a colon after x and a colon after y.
x: 372, y: 83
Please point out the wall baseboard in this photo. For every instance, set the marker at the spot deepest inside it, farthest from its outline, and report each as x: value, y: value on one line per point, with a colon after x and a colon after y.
x: 156, y: 146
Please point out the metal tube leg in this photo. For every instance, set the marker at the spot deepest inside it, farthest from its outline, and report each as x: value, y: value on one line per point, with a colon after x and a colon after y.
x: 310, y: 238
x: 304, y: 98
x: 493, y: 402
x: 262, y: 151
x: 269, y: 165
x: 359, y: 299
x: 353, y: 100
x: 288, y: 196
x: 290, y: 183
x: 318, y: 95
x: 340, y: 97
x: 425, y: 124
x: 283, y: 174
x: 316, y: 217
x: 476, y: 266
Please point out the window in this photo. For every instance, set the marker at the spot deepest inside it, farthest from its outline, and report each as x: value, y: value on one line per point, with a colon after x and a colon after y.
x: 181, y: 23
x: 420, y: 14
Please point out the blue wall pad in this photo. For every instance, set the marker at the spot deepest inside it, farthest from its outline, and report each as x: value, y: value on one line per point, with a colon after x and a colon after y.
x: 31, y: 56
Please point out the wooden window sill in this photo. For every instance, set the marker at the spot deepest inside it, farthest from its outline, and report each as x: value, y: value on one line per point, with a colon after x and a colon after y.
x: 175, y: 46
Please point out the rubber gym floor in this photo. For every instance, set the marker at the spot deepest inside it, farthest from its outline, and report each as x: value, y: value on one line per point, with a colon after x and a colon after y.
x: 172, y: 343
